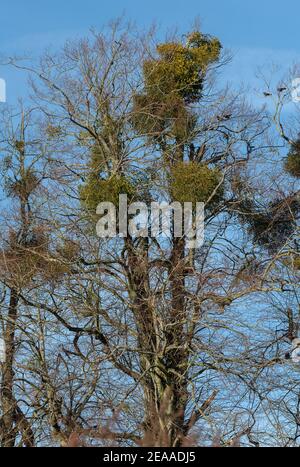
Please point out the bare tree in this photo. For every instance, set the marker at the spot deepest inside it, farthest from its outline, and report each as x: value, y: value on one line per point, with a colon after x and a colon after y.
x: 141, y: 340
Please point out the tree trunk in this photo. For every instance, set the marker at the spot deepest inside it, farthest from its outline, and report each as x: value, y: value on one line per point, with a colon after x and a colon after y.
x: 8, y: 430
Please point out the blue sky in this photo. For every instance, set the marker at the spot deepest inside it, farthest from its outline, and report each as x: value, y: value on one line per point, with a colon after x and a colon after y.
x: 258, y: 32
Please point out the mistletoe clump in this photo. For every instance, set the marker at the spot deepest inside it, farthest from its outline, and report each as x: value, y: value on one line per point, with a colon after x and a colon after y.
x: 180, y: 68
x: 53, y: 131
x: 194, y: 182
x: 20, y: 145
x: 98, y: 190
x: 171, y: 81
x: 292, y: 162
x: 297, y: 263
